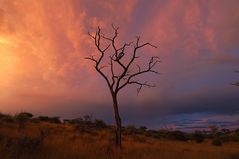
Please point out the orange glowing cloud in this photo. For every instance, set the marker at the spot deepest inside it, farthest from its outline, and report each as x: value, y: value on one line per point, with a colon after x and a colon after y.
x: 43, y: 44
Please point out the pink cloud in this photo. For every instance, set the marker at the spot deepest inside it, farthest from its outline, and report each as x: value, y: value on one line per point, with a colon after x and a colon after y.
x: 43, y: 45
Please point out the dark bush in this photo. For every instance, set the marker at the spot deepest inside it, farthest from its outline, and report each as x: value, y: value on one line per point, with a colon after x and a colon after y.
x: 225, y: 131
x: 43, y: 118
x: 99, y: 124
x: 216, y: 142
x: 6, y: 118
x: 130, y: 130
x: 23, y: 116
x: 178, y: 135
x: 198, y: 136
x: 67, y: 121
x: 55, y: 120
x: 75, y: 121
x: 143, y: 128
x: 87, y: 118
x: 153, y: 133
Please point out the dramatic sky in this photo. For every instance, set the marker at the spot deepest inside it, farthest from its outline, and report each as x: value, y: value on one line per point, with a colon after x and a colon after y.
x: 42, y: 67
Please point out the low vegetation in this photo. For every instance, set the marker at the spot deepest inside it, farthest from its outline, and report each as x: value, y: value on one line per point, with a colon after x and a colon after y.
x: 24, y: 136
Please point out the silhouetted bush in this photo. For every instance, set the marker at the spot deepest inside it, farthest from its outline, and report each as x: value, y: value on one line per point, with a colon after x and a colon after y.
x: 67, y: 121
x: 74, y: 121
x: 153, y: 133
x: 143, y: 128
x: 87, y: 118
x: 23, y: 116
x: 198, y: 136
x: 213, y: 131
x: 99, y: 124
x: 55, y: 120
x: 216, y: 142
x: 225, y: 131
x: 6, y: 118
x: 130, y: 130
x: 235, y: 135
x: 178, y: 135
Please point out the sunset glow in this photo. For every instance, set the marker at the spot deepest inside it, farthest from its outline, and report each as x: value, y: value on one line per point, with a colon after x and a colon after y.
x: 43, y: 44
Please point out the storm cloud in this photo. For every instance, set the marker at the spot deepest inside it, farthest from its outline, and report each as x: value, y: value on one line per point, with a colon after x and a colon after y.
x: 43, y: 45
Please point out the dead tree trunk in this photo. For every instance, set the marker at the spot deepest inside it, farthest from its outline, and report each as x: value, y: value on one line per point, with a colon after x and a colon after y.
x: 117, y: 121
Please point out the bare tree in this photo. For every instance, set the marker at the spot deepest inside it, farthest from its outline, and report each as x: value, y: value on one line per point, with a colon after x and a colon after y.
x: 121, y: 68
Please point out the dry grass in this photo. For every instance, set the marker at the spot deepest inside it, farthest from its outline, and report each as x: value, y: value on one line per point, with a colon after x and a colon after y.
x: 62, y: 141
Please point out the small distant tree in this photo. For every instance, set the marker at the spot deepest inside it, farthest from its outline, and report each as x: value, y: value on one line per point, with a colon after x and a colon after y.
x: 143, y: 128
x: 123, y: 69
x: 22, y: 118
x: 214, y: 130
x: 198, y: 136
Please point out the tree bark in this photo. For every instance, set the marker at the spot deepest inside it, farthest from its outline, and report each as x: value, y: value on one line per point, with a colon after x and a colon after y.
x: 117, y: 121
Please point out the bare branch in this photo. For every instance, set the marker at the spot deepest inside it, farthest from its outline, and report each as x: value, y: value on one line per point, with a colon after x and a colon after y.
x: 106, y: 48
x: 147, y: 44
x: 124, y: 46
x: 91, y: 58
x: 115, y: 58
x: 115, y: 28
x: 141, y: 85
x: 97, y: 40
x: 112, y: 72
x: 100, y: 68
x: 152, y: 63
x: 91, y: 35
x: 139, y: 68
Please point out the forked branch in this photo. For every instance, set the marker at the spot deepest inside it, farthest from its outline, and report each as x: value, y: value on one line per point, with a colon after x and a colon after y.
x: 117, y: 81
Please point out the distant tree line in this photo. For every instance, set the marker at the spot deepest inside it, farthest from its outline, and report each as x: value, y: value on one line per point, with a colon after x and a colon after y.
x: 87, y: 124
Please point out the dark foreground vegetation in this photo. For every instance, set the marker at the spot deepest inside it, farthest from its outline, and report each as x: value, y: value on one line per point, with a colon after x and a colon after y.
x: 24, y: 136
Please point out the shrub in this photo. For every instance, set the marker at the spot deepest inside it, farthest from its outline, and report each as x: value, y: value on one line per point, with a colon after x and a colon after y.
x: 130, y: 130
x: 87, y: 118
x: 55, y: 120
x: 213, y: 130
x: 153, y: 133
x: 178, y: 135
x: 143, y: 128
x: 75, y: 121
x: 99, y: 124
x: 6, y: 117
x: 23, y: 116
x: 216, y: 142
x: 198, y: 136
